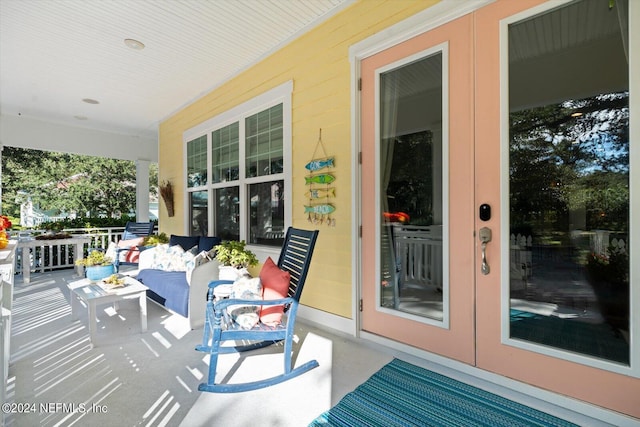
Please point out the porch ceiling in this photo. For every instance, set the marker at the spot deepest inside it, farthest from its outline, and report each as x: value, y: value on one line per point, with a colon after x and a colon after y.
x: 54, y: 54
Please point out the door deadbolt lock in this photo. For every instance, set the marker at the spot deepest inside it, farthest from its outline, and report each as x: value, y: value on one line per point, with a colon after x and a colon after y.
x: 485, y: 237
x: 484, y: 212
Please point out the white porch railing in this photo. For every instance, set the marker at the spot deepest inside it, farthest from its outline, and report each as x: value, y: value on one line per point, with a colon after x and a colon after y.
x: 419, y: 251
x: 521, y: 256
x: 47, y: 255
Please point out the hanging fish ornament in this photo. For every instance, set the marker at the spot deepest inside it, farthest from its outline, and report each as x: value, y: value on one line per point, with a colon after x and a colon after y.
x: 321, y: 193
x: 315, y: 165
x: 319, y: 209
x: 318, y: 214
x: 319, y: 179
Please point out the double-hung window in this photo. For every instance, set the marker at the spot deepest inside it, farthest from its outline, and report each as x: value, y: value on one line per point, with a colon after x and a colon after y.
x: 238, y: 177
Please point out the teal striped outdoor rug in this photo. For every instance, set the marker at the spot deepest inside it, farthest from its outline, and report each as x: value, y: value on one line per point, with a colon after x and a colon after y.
x: 402, y: 394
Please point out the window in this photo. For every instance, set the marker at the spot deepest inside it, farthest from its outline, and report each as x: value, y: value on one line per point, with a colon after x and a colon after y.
x: 238, y: 171
x: 198, y: 213
x: 197, y: 162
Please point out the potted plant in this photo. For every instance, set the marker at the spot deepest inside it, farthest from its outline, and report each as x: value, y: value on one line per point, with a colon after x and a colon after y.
x: 233, y: 258
x: 98, y: 265
x: 155, y: 240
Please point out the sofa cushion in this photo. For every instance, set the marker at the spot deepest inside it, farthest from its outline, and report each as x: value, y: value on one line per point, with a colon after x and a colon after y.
x: 185, y: 242
x: 169, y: 288
x: 206, y: 243
x: 275, y: 285
x: 171, y: 258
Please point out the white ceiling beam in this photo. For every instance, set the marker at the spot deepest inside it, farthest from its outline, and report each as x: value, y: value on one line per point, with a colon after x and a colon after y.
x: 23, y: 132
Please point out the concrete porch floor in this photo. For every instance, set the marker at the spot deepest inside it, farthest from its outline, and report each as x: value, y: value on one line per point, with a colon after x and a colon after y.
x: 151, y: 378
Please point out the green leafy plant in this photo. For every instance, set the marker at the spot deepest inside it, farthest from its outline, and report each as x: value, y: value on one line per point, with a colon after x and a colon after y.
x: 233, y: 253
x: 155, y: 239
x: 95, y: 258
x: 612, y: 268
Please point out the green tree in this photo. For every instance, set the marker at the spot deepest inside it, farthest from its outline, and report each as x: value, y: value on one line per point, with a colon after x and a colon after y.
x: 62, y: 182
x: 560, y: 160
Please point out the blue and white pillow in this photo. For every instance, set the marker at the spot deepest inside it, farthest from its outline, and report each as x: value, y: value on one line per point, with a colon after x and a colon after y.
x: 172, y: 258
x: 248, y: 288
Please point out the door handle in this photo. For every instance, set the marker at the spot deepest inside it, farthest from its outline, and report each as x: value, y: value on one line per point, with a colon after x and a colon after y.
x: 485, y: 237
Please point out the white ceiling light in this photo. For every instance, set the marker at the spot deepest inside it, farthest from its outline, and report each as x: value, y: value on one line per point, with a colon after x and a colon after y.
x: 134, y: 44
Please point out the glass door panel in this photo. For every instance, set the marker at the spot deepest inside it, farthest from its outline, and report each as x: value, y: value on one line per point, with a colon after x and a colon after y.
x: 569, y: 180
x: 411, y: 172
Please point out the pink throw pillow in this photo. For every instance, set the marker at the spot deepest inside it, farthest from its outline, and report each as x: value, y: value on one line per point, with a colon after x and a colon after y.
x: 133, y: 254
x: 131, y: 242
x: 275, y: 285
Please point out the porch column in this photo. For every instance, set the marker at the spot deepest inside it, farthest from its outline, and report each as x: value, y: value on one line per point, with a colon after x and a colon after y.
x: 142, y: 190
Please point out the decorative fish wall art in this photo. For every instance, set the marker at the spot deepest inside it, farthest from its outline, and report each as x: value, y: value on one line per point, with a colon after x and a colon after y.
x: 315, y: 165
x: 320, y: 193
x: 323, y: 178
x: 319, y: 208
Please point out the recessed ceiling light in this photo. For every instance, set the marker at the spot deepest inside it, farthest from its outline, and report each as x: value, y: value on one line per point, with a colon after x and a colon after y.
x: 134, y: 44
x: 90, y: 101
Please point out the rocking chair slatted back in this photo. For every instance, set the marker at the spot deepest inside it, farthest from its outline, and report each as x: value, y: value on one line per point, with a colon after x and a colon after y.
x: 295, y: 257
x: 137, y: 229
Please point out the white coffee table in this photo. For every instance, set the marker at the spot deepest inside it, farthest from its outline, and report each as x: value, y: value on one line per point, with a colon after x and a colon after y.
x: 98, y: 293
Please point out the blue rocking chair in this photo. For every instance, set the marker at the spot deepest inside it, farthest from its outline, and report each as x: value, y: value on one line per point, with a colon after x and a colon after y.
x: 295, y: 258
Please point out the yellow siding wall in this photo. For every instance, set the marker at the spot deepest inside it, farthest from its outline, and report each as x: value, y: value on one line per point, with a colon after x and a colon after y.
x: 318, y: 63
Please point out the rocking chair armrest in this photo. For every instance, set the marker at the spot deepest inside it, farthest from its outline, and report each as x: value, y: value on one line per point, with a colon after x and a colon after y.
x: 214, y: 283
x: 279, y: 301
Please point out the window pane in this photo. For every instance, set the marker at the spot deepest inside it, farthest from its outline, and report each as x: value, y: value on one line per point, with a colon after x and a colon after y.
x: 197, y: 162
x: 264, y: 142
x: 224, y: 153
x: 569, y: 182
x: 411, y: 188
x: 266, y: 213
x: 227, y: 213
x: 198, y: 203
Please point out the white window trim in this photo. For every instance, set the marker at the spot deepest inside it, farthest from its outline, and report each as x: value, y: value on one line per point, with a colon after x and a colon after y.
x: 442, y: 49
x: 278, y: 95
